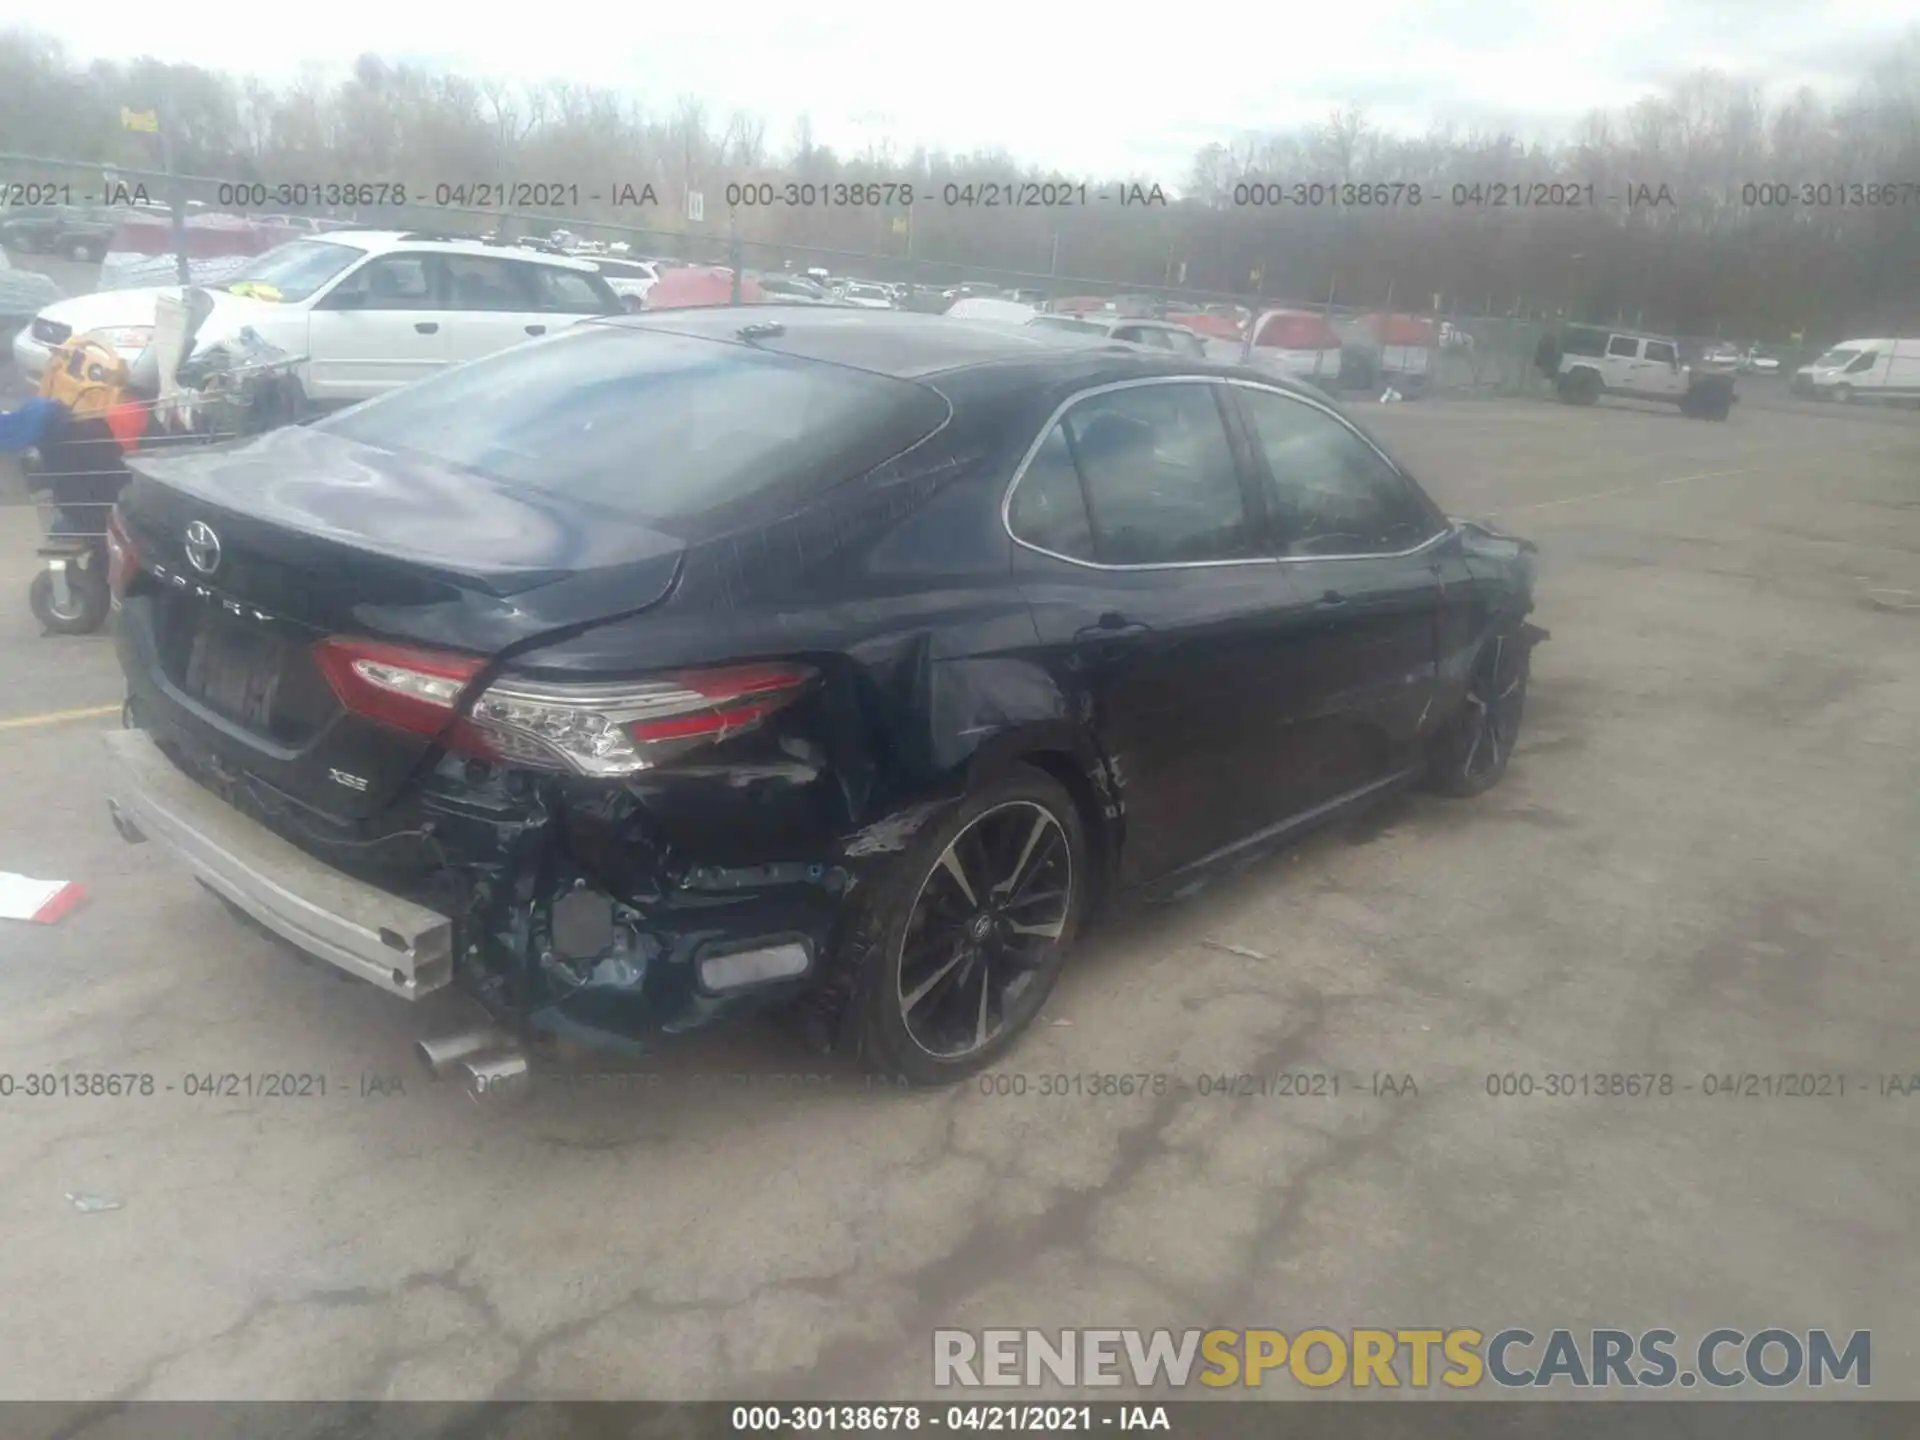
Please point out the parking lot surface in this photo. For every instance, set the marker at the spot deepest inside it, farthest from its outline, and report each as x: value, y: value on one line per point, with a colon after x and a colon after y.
x: 1701, y: 865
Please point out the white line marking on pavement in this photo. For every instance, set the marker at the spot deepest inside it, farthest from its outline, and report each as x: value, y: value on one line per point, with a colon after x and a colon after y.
x: 1621, y: 490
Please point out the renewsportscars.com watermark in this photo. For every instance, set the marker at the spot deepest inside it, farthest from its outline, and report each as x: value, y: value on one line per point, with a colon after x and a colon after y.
x: 1458, y: 1359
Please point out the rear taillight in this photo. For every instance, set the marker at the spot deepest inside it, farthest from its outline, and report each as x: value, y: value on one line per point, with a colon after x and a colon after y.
x: 597, y: 729
x: 619, y: 728
x: 122, y: 559
x: 398, y: 685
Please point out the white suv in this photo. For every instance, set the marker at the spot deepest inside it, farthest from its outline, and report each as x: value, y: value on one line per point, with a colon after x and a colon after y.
x: 1594, y: 361
x: 370, y: 310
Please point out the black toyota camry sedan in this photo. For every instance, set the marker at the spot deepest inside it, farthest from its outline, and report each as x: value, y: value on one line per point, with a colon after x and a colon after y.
x: 845, y: 662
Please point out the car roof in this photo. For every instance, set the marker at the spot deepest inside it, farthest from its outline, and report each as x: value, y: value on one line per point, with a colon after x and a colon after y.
x: 380, y: 241
x: 910, y: 346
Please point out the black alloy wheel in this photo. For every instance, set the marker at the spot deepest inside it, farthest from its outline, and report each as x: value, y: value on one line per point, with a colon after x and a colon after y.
x: 972, y: 931
x: 1471, y: 753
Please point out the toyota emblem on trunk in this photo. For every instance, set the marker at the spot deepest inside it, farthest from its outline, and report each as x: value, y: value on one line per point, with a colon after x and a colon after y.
x: 203, y: 547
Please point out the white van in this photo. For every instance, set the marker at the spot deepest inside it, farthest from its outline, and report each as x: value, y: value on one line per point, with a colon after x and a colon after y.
x: 1864, y: 370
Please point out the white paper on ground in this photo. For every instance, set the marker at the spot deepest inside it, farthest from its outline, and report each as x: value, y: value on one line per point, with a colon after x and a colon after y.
x: 41, y: 901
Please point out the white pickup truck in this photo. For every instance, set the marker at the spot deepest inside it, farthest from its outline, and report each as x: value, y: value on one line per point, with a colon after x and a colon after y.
x: 1595, y: 362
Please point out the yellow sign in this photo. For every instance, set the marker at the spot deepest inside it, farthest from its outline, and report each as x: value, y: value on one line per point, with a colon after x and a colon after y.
x: 899, y: 224
x: 147, y: 121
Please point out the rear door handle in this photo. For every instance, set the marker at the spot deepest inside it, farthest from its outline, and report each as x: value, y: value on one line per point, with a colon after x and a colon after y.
x: 536, y: 329
x: 427, y: 327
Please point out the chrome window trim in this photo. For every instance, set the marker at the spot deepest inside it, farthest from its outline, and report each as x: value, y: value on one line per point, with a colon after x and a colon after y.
x: 1026, y: 460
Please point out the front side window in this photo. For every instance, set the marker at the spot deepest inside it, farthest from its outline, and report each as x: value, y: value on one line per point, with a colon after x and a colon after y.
x: 1661, y: 351
x: 1330, y: 491
x: 1864, y: 363
x: 390, y: 282
x: 1157, y: 475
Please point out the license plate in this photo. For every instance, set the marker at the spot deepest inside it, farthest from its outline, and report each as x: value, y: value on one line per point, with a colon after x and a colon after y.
x: 235, y: 668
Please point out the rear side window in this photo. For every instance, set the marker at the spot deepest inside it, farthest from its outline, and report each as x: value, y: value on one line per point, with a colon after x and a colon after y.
x: 1154, y: 465
x: 1623, y: 347
x: 1583, y: 342
x: 658, y: 426
x: 1663, y: 352
x: 477, y: 282
x: 1049, y: 509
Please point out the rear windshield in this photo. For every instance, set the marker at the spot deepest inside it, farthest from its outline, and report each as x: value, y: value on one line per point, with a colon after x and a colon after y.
x: 653, y: 425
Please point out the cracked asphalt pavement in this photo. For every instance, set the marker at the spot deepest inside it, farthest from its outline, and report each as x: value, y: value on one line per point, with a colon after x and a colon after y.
x: 1701, y: 864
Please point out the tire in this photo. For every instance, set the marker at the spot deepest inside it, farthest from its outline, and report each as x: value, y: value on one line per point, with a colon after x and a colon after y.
x: 915, y: 1018
x: 1580, y: 387
x: 633, y: 304
x: 1842, y: 394
x: 87, y: 607
x: 1460, y: 761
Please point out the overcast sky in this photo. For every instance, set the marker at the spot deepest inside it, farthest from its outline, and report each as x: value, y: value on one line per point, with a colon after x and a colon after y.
x: 1126, y: 88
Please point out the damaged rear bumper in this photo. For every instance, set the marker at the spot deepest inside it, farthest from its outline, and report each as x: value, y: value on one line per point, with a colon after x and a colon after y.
x: 401, y: 946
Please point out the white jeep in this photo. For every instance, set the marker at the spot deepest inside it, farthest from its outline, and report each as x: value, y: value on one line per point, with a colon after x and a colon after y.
x: 1595, y: 362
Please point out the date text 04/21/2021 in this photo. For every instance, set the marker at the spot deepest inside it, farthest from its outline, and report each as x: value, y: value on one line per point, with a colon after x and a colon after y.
x: 195, y: 1085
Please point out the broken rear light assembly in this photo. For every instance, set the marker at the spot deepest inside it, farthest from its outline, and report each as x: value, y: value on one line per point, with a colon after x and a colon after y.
x: 618, y: 728
x: 398, y: 685
x: 603, y: 729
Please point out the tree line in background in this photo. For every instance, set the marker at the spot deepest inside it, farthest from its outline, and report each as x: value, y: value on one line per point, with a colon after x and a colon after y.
x: 1695, y: 242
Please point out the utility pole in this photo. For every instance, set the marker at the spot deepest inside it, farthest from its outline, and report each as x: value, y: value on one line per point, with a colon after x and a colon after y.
x: 147, y: 122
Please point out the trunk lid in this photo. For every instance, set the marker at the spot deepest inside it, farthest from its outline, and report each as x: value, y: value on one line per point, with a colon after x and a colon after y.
x: 252, y: 554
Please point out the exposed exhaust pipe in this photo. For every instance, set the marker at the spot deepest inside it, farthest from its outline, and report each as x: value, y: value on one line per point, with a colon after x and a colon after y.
x: 503, y: 1075
x: 443, y: 1052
